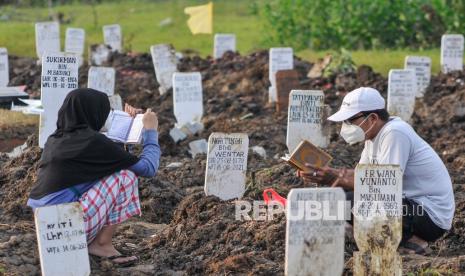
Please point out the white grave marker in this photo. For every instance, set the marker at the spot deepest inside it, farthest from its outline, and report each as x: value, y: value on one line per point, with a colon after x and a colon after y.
x: 226, y: 165
x: 102, y: 79
x: 451, y: 53
x: 62, y: 240
x: 116, y: 103
x: 305, y: 119
x: 75, y: 40
x: 165, y: 64
x: 4, y: 68
x: 280, y: 59
x: 113, y: 37
x: 47, y: 38
x: 59, y: 77
x: 422, y: 68
x: 187, y: 97
x: 377, y: 219
x: 315, y: 232
x: 402, y: 88
x: 224, y: 43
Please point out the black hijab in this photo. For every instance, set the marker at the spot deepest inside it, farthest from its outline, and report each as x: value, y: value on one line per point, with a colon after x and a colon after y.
x: 76, y: 152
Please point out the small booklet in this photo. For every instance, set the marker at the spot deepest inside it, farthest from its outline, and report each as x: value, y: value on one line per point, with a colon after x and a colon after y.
x: 306, y: 152
x: 124, y: 128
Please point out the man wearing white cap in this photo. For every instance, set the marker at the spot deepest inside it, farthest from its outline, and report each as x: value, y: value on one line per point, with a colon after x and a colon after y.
x: 428, y: 197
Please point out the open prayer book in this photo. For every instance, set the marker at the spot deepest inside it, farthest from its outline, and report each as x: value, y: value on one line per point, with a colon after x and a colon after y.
x: 306, y: 152
x: 124, y: 128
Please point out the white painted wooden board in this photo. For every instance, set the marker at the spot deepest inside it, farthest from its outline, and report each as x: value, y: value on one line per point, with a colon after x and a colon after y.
x: 305, y: 119
x: 59, y: 77
x: 187, y: 97
x: 402, y: 89
x: 47, y: 38
x: 226, y: 165
x: 62, y: 240
x: 315, y: 232
x: 451, y: 53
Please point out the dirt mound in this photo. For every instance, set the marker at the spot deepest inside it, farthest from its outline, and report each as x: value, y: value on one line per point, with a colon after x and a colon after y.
x: 16, y: 178
x: 440, y: 120
x: 203, y: 236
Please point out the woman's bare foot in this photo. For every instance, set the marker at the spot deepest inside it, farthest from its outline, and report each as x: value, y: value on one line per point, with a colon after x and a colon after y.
x: 109, y: 251
x: 102, y: 246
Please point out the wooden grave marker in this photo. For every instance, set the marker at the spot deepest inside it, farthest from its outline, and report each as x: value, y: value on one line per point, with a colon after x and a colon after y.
x: 59, y: 77
x: 305, y: 120
x: 315, y: 232
x: 422, y: 68
x: 102, y: 79
x: 223, y: 43
x: 187, y: 98
x: 402, y: 89
x: 286, y: 81
x: 451, y: 52
x: 75, y: 41
x: 279, y: 59
x: 165, y: 64
x: 377, y: 219
x: 62, y: 240
x: 113, y: 37
x: 4, y: 68
x: 226, y: 165
x: 47, y: 38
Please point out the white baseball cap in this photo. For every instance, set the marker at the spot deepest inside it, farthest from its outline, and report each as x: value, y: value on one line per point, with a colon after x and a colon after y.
x: 358, y: 100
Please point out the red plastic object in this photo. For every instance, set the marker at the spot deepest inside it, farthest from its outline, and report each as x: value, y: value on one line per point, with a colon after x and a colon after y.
x: 270, y: 195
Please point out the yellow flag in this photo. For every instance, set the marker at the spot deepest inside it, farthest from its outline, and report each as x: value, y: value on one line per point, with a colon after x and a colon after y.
x: 201, y: 18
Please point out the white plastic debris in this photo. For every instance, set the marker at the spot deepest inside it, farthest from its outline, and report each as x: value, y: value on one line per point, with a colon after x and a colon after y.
x: 174, y: 165
x: 192, y: 128
x: 17, y: 151
x: 166, y: 22
x: 177, y: 135
x: 260, y: 151
x: 198, y: 147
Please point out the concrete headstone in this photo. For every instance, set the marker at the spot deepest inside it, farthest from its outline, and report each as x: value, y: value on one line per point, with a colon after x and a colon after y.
x: 286, y: 81
x: 422, y: 68
x: 102, y: 79
x: 377, y: 219
x: 280, y: 59
x: 113, y: 37
x: 165, y: 64
x: 306, y: 113
x: 315, y: 232
x: 226, y: 165
x: 4, y: 68
x: 47, y: 38
x: 224, y: 43
x: 451, y: 52
x: 59, y: 77
x: 62, y: 240
x: 187, y: 97
x: 402, y: 88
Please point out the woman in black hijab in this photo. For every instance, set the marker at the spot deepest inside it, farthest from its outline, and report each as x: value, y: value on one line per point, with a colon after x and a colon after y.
x: 79, y: 164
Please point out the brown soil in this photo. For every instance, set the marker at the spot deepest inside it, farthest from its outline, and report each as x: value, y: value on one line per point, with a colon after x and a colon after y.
x: 182, y: 230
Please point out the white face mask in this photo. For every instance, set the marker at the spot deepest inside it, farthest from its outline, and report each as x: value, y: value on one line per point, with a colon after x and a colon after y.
x: 353, y: 134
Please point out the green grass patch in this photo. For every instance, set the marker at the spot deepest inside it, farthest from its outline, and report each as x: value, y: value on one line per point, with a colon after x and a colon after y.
x: 140, y: 24
x: 382, y: 60
x: 139, y: 21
